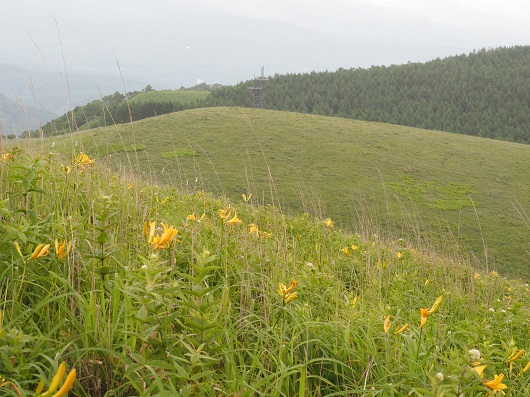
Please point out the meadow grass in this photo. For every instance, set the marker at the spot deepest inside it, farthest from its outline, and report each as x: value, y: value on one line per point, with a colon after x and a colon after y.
x: 461, y: 195
x: 242, y: 300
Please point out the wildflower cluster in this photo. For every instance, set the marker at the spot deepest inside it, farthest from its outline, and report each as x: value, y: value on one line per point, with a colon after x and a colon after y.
x: 42, y: 250
x: 254, y: 229
x: 398, y: 330
x: 161, y: 240
x: 287, y: 294
x: 229, y: 216
x: 349, y: 250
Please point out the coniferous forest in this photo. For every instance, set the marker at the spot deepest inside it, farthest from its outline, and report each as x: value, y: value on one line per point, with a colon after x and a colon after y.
x: 485, y: 93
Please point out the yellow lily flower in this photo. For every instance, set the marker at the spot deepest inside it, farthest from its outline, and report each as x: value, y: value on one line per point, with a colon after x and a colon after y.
x: 514, y: 356
x: 40, y: 251
x: 386, y: 324
x: 479, y: 369
x: 253, y: 229
x: 235, y: 220
x: 246, y: 198
x: 526, y: 368
x: 287, y: 294
x: 225, y: 213
x: 81, y: 160
x: 62, y: 249
x: 165, y: 239
x: 425, y: 312
x: 328, y: 223
x: 193, y: 217
x: 496, y: 384
x: 402, y: 329
x: 67, y: 385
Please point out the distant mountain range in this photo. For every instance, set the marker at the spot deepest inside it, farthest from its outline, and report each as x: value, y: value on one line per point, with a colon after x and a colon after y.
x: 30, y: 98
x: 16, y: 117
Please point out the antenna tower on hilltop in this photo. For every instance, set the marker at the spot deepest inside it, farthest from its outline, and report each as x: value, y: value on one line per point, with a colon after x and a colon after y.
x: 257, y: 89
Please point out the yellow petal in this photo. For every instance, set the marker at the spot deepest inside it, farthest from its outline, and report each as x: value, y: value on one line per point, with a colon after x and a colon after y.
x: 436, y: 304
x: 516, y: 356
x: 290, y: 297
x: 56, y: 379
x: 386, y: 324
x: 402, y: 329
x: 480, y: 369
x: 67, y: 385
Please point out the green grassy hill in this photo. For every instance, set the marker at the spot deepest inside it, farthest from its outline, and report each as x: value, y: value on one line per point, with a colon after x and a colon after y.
x: 138, y: 289
x: 457, y: 193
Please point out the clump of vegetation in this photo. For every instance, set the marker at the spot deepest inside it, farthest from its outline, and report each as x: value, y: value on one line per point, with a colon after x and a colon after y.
x: 145, y: 290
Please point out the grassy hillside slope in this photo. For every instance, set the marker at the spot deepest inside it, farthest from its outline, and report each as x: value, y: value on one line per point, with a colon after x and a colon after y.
x: 142, y: 290
x: 456, y: 192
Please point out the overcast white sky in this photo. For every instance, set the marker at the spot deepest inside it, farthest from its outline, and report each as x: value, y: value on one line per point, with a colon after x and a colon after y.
x: 93, y: 31
x: 519, y: 9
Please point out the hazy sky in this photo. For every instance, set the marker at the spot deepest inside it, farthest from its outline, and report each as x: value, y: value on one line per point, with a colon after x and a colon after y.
x: 145, y: 36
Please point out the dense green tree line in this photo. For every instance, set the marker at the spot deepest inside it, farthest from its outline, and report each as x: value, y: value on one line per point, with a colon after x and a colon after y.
x: 110, y: 110
x: 485, y: 93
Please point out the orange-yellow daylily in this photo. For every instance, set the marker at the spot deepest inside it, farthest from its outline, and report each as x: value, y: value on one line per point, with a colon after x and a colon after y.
x: 67, y: 385
x: 479, y: 369
x: 328, y: 223
x: 386, y: 324
x: 496, y: 384
x: 192, y: 217
x: 426, y: 312
x: 225, y: 213
x: 63, y: 249
x: 526, y: 368
x: 246, y: 198
x: 287, y: 294
x: 402, y: 329
x: 40, y: 251
x: 253, y: 229
x: 233, y: 221
x: 81, y: 160
x: 163, y: 240
x: 514, y: 356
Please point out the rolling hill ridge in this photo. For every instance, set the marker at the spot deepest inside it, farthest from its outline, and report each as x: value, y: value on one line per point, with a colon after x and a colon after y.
x: 455, y: 192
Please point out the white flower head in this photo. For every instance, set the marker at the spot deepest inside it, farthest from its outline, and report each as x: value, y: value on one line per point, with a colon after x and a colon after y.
x: 474, y: 354
x: 439, y: 377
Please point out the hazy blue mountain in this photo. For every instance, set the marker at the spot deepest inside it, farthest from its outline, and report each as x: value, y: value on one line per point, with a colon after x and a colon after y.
x: 30, y: 98
x: 16, y: 117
